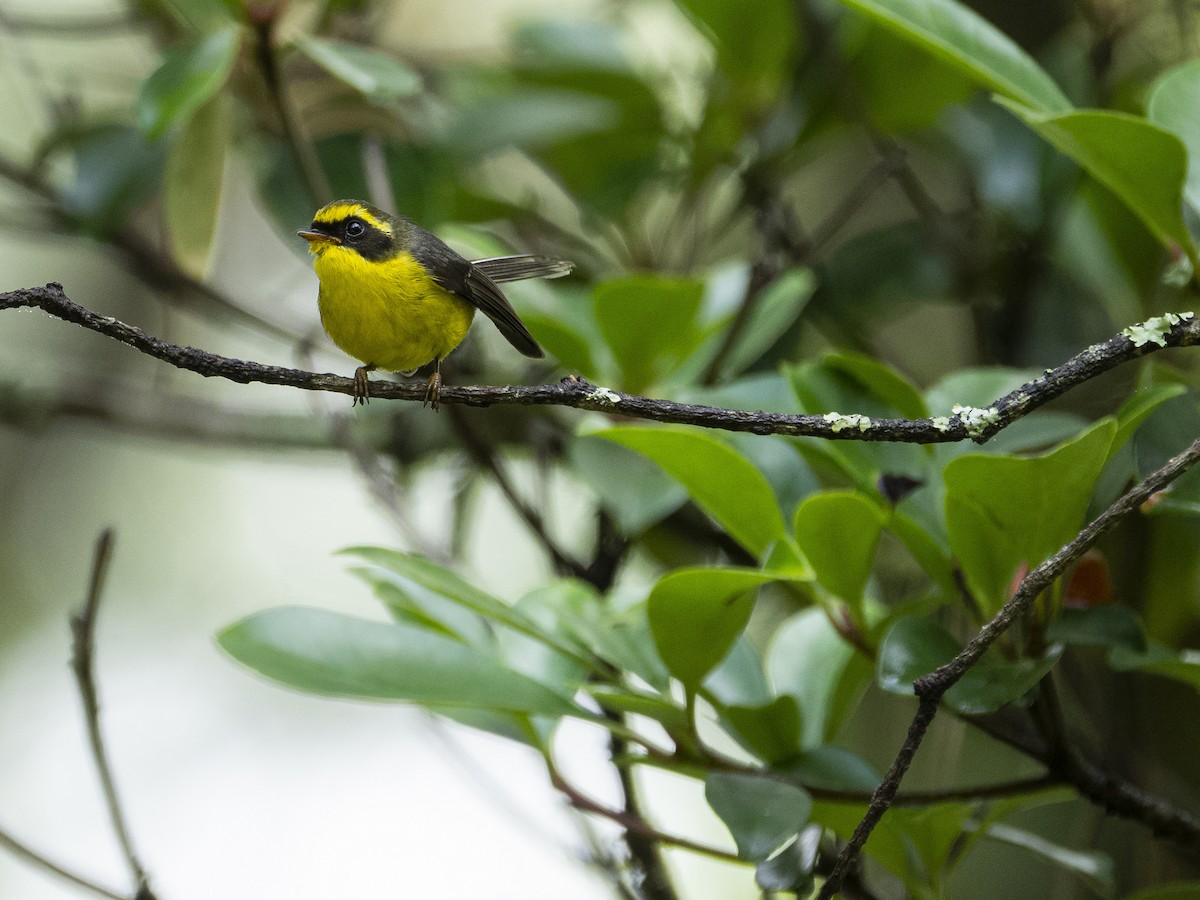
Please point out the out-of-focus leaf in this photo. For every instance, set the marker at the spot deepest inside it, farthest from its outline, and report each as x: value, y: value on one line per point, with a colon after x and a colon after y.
x: 1138, y: 408
x: 738, y: 680
x: 1095, y: 868
x: 791, y: 868
x: 203, y: 15
x: 671, y: 717
x: 632, y: 489
x: 913, y: 102
x: 446, y: 583
x: 881, y: 381
x: 373, y: 73
x: 649, y: 324
x: 1158, y: 660
x: 322, y: 652
x: 562, y: 342
x: 624, y: 641
x: 1141, y: 163
x: 762, y: 814
x: 410, y: 602
x: 1003, y: 513
x: 190, y: 76
x: 1174, y: 100
x: 832, y: 769
x: 1178, y: 890
x: 1099, y: 626
x: 720, y: 480
x: 752, y: 50
x: 116, y: 169
x: 192, y: 190
x: 838, y: 532
x: 697, y: 614
x: 811, y: 662
x: 958, y: 35
x: 781, y: 303
x: 916, y: 647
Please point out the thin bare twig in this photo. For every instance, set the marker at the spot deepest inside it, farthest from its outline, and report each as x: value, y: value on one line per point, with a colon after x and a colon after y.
x: 930, y: 688
x: 32, y: 856
x: 974, y: 424
x: 83, y: 626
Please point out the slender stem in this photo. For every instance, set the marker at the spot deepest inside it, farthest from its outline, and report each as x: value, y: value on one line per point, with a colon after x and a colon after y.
x: 303, y: 153
x: 481, y: 452
x: 83, y: 626
x: 24, y: 852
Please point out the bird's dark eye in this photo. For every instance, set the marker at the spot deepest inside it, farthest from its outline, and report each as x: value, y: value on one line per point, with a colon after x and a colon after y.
x: 355, y: 229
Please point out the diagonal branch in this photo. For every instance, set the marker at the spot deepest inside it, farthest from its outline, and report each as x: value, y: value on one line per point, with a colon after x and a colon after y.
x: 932, y: 687
x: 973, y: 424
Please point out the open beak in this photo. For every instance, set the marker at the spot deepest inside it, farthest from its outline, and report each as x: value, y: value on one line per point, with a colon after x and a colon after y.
x: 319, y: 237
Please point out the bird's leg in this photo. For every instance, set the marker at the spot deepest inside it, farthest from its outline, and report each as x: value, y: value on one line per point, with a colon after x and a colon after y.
x: 362, y: 386
x: 433, y: 392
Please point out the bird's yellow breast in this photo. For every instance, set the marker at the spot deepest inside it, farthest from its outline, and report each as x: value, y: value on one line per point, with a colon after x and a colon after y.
x: 389, y: 313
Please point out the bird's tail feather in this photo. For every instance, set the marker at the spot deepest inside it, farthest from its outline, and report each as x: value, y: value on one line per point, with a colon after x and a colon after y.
x: 517, y: 268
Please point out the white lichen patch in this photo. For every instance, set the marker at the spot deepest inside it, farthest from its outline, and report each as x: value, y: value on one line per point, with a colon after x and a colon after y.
x: 941, y: 423
x: 604, y: 395
x: 838, y: 422
x: 1155, y: 330
x: 976, y: 420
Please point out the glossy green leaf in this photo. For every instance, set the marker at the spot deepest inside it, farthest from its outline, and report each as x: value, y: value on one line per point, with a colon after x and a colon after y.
x: 1094, y: 867
x: 958, y: 35
x: 1003, y: 513
x: 915, y: 647
x: 832, y: 769
x: 1173, y: 102
x: 649, y: 324
x: 1099, y: 626
x: 190, y: 76
x: 770, y: 731
x: 373, y: 73
x: 673, y: 718
x: 697, y: 614
x: 322, y: 652
x: 1142, y: 164
x: 721, y: 481
x: 762, y: 814
x: 838, y: 532
x: 811, y: 662
x: 192, y: 187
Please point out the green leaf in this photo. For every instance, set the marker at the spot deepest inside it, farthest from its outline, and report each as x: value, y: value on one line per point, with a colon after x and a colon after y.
x: 410, y: 602
x: 1142, y: 164
x: 562, y: 342
x: 649, y: 323
x: 832, y: 769
x: 429, y: 575
x: 739, y: 679
x: 697, y: 614
x: 880, y: 381
x: 192, y: 189
x: 116, y: 169
x: 958, y: 35
x: 778, y: 307
x: 812, y: 663
x: 1174, y: 100
x: 770, y: 731
x: 1177, y: 890
x: 915, y: 647
x: 632, y: 489
x: 673, y: 718
x: 1158, y: 660
x: 1003, y: 513
x: 376, y: 75
x: 322, y: 652
x: 1099, y: 626
x: 720, y: 480
x: 762, y: 814
x: 190, y: 76
x: 838, y: 532
x: 1095, y: 868
x: 1139, y: 407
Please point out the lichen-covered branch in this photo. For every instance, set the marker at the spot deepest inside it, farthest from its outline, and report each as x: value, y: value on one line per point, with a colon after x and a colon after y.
x: 978, y: 424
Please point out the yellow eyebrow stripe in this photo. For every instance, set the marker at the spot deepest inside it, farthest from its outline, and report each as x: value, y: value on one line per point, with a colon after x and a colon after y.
x: 336, y: 212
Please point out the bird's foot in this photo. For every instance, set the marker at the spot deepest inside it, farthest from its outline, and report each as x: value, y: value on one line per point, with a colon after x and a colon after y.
x: 362, y: 386
x: 433, y: 392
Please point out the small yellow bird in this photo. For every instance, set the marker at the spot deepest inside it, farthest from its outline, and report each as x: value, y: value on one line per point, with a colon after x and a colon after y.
x: 396, y: 297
